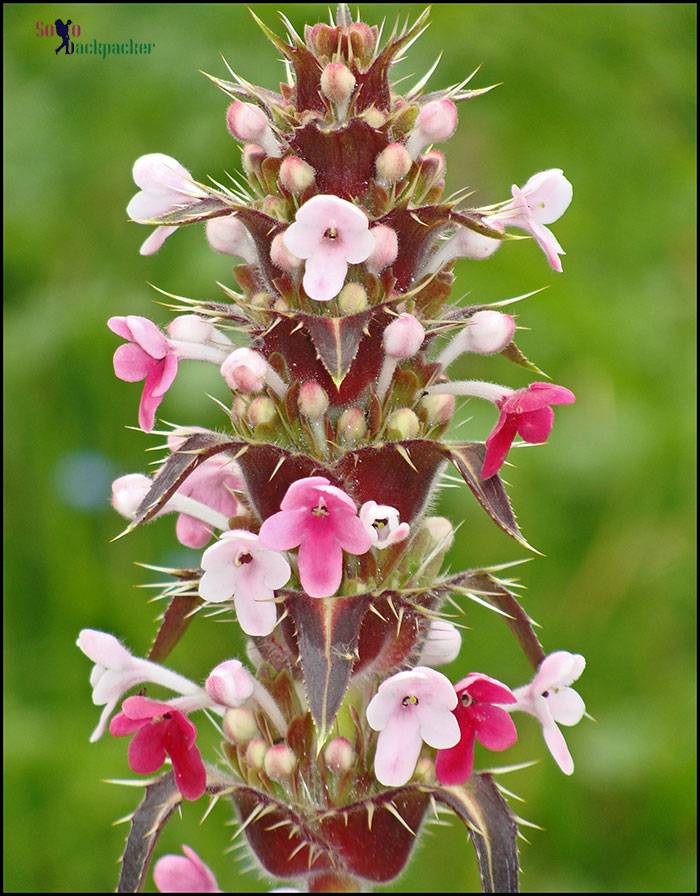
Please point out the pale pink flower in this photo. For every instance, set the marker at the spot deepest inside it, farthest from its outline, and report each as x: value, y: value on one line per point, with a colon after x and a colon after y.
x: 464, y: 243
x: 551, y: 700
x: 383, y: 525
x: 160, y: 732
x: 246, y: 370
x: 329, y: 233
x: 410, y: 708
x: 128, y: 493
x: 442, y: 644
x: 164, y: 186
x: 147, y: 355
x: 241, y: 567
x: 480, y: 718
x: 543, y: 200
x: 403, y: 337
x: 230, y: 684
x: 322, y: 521
x: 184, y: 874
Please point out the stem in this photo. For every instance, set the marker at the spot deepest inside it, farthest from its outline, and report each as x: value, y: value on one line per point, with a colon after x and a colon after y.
x: 318, y: 431
x: 386, y: 375
x: 190, y: 506
x: 198, y: 351
x: 267, y: 703
x: 275, y: 382
x: 472, y: 388
x: 157, y: 674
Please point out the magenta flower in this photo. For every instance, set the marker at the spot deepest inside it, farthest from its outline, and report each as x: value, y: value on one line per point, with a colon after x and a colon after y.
x: 479, y: 719
x: 322, y: 521
x: 161, y: 731
x: 184, y: 874
x: 240, y: 566
x: 329, y: 233
x: 147, y: 355
x: 551, y: 700
x: 409, y: 708
x: 526, y: 413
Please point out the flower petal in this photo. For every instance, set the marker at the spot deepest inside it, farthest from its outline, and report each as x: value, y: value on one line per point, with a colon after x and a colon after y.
x: 324, y: 274
x: 498, y: 445
x: 146, y: 751
x: 566, y: 706
x: 256, y: 612
x: 455, y: 765
x: 535, y: 426
x: 558, y: 748
x: 351, y: 534
x: 156, y: 239
x: 184, y: 874
x: 131, y: 363
x: 438, y: 727
x: 320, y: 565
x: 398, y: 749
x: 284, y: 530
x: 495, y: 729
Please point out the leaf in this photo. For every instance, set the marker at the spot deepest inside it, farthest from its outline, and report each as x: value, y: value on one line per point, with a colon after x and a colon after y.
x: 263, y: 229
x: 337, y: 340
x: 515, y: 354
x: 415, y: 229
x: 491, y: 827
x: 327, y: 631
x: 201, y: 210
x: 196, y: 449
x: 492, y: 590
x: 391, y: 631
x: 490, y: 493
x: 176, y: 621
x: 161, y: 799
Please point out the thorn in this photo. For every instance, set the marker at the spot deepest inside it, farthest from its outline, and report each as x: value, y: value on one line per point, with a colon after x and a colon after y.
x: 391, y: 807
x: 370, y: 814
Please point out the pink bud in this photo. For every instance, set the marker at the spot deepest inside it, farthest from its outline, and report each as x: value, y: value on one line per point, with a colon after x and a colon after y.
x: 246, y: 122
x: 281, y: 257
x: 244, y: 370
x: 352, y: 426
x: 433, y: 163
x: 437, y: 120
x: 403, y: 337
x: 393, y: 163
x: 296, y: 175
x: 230, y: 683
x: 255, y: 753
x: 339, y: 754
x: 386, y: 248
x: 262, y: 410
x: 128, y: 492
x: 489, y: 332
x: 402, y: 424
x: 280, y: 762
x: 337, y: 83
x: 239, y: 407
x: 228, y: 236
x: 239, y: 725
x: 252, y: 157
x: 190, y: 328
x: 312, y: 401
x: 438, y: 409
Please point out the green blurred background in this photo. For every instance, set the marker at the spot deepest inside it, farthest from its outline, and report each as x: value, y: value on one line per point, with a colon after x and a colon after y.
x: 604, y: 91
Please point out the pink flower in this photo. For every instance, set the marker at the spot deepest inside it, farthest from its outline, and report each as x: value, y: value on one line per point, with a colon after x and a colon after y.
x: 212, y: 483
x: 329, y: 233
x: 527, y: 413
x: 240, y: 566
x: 164, y: 186
x: 543, y: 200
x: 184, y: 874
x: 382, y: 524
x: 478, y: 719
x: 161, y: 731
x: 322, y: 520
x: 147, y: 355
x: 409, y: 708
x: 550, y: 699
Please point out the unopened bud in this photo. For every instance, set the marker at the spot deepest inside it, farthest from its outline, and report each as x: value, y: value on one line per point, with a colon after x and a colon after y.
x: 239, y: 725
x: 352, y: 298
x: 436, y: 532
x: 230, y: 683
x: 321, y: 38
x: 190, y: 328
x: 363, y: 40
x: 442, y: 644
x: 386, y: 248
x: 373, y: 117
x: 433, y: 164
x: 438, y: 409
x: 436, y: 121
x: 280, y: 762
x: 244, y: 370
x: 425, y: 770
x: 312, y: 400
x: 489, y: 332
x: 393, y: 163
x: 261, y: 299
x: 275, y: 207
x: 252, y: 157
x: 352, y: 426
x: 281, y: 257
x: 228, y: 236
x: 281, y: 305
x: 403, y: 337
x: 337, y: 83
x: 262, y: 411
x: 296, y: 175
x: 403, y: 424
x: 239, y: 407
x: 255, y: 753
x: 339, y: 754
x: 249, y: 124
x: 128, y: 492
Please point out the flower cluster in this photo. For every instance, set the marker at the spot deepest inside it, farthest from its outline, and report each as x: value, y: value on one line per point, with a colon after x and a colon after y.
x: 309, y: 513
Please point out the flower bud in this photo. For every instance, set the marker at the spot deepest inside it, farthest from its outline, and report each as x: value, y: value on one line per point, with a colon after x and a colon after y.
x: 296, y: 175
x: 352, y: 426
x: 352, y: 298
x: 386, y: 248
x: 403, y: 337
x: 262, y: 411
x: 436, y: 532
x: 280, y: 762
x: 402, y: 424
x: 239, y: 725
x: 337, y: 83
x: 239, y: 407
x: 246, y: 122
x: 339, y: 754
x: 252, y: 157
x: 230, y: 683
x: 128, y: 492
x: 425, y: 770
x: 312, y: 400
x: 363, y: 40
x: 255, y: 753
x: 321, y: 38
x: 191, y: 328
x: 281, y: 305
x: 261, y: 299
x: 275, y: 207
x: 244, y: 370
x: 489, y: 332
x: 228, y: 236
x: 393, y: 163
x: 281, y: 257
x: 442, y: 644
x: 436, y: 121
x: 437, y: 412
x: 373, y: 117
x: 433, y: 164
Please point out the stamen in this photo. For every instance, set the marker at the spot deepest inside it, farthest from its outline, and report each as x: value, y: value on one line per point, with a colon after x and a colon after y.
x: 244, y: 558
x: 410, y: 700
